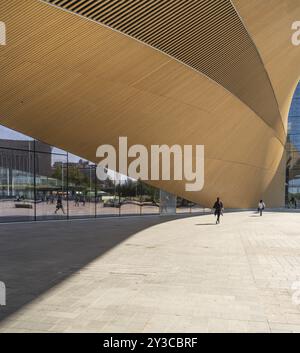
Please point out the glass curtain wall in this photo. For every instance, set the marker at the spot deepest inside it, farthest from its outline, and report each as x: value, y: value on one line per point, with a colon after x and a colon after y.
x: 185, y: 206
x: 17, y: 185
x: 42, y: 182
x: 52, y: 186
x: 293, y: 154
x: 82, y: 189
x: 17, y: 176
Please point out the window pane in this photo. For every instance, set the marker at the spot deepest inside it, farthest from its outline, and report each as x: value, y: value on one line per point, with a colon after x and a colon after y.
x: 51, y: 186
x: 149, y: 196
x: 16, y: 185
x: 127, y: 193
x: 108, y: 204
x: 82, y: 189
x: 183, y: 206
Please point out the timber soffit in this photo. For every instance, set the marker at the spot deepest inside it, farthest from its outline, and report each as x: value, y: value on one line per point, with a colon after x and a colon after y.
x: 207, y: 35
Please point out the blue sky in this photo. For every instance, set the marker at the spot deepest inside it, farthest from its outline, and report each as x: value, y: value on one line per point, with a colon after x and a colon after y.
x: 9, y: 134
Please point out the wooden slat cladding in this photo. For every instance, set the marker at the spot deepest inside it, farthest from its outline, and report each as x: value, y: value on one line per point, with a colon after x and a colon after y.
x: 77, y: 84
x: 207, y: 35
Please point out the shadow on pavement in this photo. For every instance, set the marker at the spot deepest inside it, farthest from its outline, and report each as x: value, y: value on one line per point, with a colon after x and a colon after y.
x: 206, y: 224
x: 35, y: 257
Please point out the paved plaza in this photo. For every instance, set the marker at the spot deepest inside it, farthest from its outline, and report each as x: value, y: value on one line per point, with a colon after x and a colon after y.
x: 153, y: 274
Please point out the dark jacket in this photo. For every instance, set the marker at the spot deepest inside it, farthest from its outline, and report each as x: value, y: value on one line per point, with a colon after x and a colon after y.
x: 218, y: 206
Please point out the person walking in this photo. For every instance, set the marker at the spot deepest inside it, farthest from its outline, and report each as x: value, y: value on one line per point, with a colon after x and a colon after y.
x: 218, y: 207
x: 76, y: 201
x: 59, y: 205
x: 295, y: 204
x: 261, y: 207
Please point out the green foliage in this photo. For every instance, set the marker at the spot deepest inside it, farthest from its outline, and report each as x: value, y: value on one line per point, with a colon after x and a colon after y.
x: 127, y: 189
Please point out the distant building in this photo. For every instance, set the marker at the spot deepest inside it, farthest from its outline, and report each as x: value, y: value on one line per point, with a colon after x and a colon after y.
x: 17, y: 165
x: 18, y: 157
x: 83, y: 165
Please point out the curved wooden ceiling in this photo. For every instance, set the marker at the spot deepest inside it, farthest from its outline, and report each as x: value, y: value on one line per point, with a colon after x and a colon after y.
x: 76, y: 83
x: 269, y: 25
x: 206, y: 35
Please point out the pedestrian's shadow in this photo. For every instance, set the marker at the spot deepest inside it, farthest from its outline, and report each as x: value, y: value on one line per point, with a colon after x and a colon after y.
x: 206, y: 224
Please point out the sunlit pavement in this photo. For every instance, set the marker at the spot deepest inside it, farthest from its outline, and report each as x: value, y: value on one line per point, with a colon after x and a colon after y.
x: 152, y: 274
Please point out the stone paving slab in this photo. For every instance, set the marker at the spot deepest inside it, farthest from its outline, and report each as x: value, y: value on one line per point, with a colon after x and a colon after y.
x: 152, y: 275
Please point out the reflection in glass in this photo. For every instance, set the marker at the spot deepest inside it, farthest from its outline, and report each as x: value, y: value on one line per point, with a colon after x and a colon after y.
x: 128, y: 198
x: 51, y: 187
x: 42, y: 182
x: 82, y: 189
x: 107, y: 202
x: 149, y: 198
x: 16, y: 185
x: 293, y: 154
x: 167, y: 203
